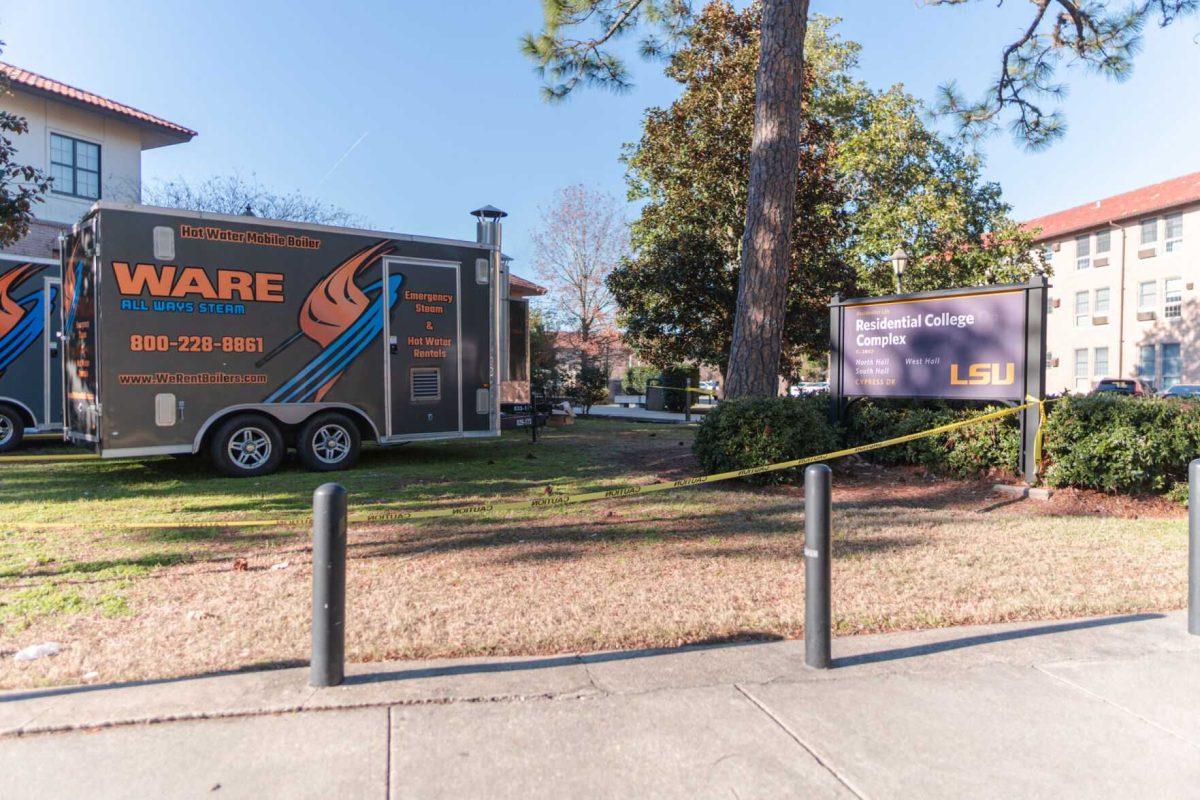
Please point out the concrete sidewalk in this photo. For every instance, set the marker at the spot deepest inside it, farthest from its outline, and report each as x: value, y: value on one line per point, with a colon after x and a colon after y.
x: 1091, y: 708
x: 641, y: 414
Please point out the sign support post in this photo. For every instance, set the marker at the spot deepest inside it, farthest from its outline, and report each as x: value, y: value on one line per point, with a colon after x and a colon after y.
x: 837, y: 402
x: 1035, y: 373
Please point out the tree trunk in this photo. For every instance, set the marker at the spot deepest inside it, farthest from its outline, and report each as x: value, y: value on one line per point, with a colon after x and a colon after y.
x: 767, y: 241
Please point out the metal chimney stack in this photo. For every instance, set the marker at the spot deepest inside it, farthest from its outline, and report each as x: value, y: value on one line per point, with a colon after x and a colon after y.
x: 488, y: 231
x: 488, y: 227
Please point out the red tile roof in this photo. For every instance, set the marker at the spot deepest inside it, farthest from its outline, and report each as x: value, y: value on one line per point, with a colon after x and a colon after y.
x: 1129, y: 205
x: 523, y: 288
x: 31, y: 80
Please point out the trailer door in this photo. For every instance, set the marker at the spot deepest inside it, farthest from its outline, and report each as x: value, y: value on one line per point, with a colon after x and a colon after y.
x: 79, y: 339
x: 423, y: 370
x: 53, y: 350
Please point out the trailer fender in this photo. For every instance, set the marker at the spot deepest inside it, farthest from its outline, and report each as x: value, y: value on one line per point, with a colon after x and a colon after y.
x: 287, y: 414
x: 25, y: 411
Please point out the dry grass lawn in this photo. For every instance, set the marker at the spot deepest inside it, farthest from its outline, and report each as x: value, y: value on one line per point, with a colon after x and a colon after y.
x: 705, y: 564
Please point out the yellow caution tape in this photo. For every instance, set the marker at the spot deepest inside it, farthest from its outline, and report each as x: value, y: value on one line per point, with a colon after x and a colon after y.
x: 558, y: 500
x: 708, y: 392
x: 1041, y: 429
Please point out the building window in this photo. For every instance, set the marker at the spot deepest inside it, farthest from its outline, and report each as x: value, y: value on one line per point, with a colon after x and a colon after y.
x: 1081, y: 369
x: 1174, y: 231
x: 1172, y: 365
x: 1173, y: 297
x: 1083, y: 252
x: 1145, y: 363
x: 1147, y: 295
x: 1081, y: 308
x: 1103, y: 242
x: 1048, y: 252
x: 1101, y: 306
x: 1100, y: 362
x: 1149, y: 231
x: 75, y: 167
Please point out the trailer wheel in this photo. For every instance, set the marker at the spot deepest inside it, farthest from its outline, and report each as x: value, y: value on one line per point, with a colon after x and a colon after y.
x: 246, y: 446
x: 12, y: 428
x: 328, y: 442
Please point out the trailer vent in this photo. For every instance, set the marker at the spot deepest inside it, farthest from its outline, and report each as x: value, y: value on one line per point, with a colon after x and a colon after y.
x: 483, y: 268
x: 426, y: 384
x: 164, y: 243
x: 164, y: 410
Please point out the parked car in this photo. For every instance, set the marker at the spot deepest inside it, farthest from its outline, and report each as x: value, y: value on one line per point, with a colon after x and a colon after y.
x: 807, y: 388
x: 1127, y: 386
x: 1182, y: 390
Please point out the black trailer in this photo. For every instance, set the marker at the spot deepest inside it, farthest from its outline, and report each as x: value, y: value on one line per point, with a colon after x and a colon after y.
x: 239, y: 337
x: 30, y: 375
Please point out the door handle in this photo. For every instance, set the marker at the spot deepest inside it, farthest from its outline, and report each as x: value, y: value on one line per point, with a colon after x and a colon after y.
x: 394, y: 344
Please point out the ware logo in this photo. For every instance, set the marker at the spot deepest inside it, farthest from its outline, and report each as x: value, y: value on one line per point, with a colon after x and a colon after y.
x: 984, y: 374
x: 343, y: 319
x: 22, y: 321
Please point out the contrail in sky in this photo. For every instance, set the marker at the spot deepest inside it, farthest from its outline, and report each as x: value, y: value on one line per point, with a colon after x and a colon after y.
x: 350, y: 150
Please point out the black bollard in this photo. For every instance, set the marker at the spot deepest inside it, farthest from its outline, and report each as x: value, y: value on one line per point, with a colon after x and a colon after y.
x: 328, y: 666
x: 817, y: 511
x: 1194, y: 547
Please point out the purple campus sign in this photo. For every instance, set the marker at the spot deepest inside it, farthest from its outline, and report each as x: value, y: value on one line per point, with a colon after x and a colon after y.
x: 968, y: 346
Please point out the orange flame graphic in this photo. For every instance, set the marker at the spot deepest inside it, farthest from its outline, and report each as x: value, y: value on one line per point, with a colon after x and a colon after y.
x: 335, y: 302
x: 11, y: 311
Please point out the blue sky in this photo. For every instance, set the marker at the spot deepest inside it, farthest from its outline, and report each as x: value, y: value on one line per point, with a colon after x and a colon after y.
x: 452, y: 118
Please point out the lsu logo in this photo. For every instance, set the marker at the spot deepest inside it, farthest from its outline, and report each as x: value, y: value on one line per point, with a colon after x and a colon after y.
x: 985, y: 374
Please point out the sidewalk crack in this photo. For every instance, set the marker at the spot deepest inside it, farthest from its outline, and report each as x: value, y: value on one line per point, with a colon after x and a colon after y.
x: 387, y: 758
x: 1118, y: 706
x: 591, y: 678
x: 844, y: 781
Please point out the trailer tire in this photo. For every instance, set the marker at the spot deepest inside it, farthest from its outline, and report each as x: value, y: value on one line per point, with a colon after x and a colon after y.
x: 12, y: 428
x: 328, y: 442
x: 237, y: 448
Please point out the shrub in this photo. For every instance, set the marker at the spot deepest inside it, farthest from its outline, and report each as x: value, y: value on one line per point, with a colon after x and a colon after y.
x: 756, y: 431
x: 971, y: 450
x: 636, y: 378
x: 1121, y: 444
x: 588, y: 387
x: 674, y: 380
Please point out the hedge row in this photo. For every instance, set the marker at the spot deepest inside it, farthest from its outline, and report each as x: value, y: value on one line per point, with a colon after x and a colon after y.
x: 1121, y: 444
x: 1114, y: 444
x: 970, y: 450
x: 756, y: 431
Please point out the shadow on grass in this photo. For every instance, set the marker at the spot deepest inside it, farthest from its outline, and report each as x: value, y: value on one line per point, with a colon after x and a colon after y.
x: 916, y: 651
x: 457, y: 469
x: 90, y: 567
x: 516, y: 663
x: 452, y: 537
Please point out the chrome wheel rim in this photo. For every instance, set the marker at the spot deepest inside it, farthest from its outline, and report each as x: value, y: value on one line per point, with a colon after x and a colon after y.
x: 249, y: 448
x: 7, y: 429
x: 331, y: 444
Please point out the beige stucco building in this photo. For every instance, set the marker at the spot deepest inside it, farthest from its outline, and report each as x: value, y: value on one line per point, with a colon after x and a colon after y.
x: 89, y: 145
x: 1125, y: 287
